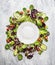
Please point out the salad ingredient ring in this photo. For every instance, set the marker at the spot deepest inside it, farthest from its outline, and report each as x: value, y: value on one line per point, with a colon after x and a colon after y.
x: 31, y: 16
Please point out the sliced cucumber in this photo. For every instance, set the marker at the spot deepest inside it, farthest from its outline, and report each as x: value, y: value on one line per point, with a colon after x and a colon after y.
x: 20, y: 57
x: 31, y: 7
x: 43, y: 47
x: 45, y: 18
x: 7, y: 46
x: 24, y: 9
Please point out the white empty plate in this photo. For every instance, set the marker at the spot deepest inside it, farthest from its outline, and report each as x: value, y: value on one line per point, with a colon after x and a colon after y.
x: 27, y: 32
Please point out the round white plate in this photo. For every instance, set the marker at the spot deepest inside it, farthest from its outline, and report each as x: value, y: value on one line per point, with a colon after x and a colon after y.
x: 27, y: 32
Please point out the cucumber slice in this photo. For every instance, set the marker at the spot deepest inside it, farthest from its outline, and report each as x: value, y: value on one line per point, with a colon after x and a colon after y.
x: 43, y: 47
x: 31, y: 7
x: 7, y: 46
x: 20, y: 57
x: 24, y: 9
x: 45, y: 18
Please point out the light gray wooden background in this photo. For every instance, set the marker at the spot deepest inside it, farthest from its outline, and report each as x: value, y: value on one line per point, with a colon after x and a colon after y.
x: 7, y: 7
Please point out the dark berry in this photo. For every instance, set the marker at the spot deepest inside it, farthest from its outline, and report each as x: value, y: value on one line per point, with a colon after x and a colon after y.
x: 37, y: 48
x: 13, y: 33
x: 33, y: 15
x: 41, y: 35
x: 43, y: 25
x: 40, y: 18
x: 11, y: 27
x: 16, y: 39
x: 30, y: 56
x: 24, y: 50
x: 34, y: 11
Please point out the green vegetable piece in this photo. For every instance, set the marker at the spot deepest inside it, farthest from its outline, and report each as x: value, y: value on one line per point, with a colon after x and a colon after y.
x: 40, y: 52
x: 17, y: 12
x: 32, y: 45
x: 20, y: 49
x: 41, y: 14
x: 24, y: 9
x: 15, y: 30
x: 43, y: 47
x: 37, y: 43
x: 11, y: 43
x: 15, y: 52
x: 45, y: 18
x: 9, y: 33
x: 7, y: 46
x: 10, y: 19
x: 20, y: 57
x: 24, y: 46
x: 39, y: 23
x: 21, y: 19
x: 43, y: 31
x: 31, y: 7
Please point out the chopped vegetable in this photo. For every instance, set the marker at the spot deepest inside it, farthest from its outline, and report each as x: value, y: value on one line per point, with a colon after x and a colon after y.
x: 11, y: 43
x: 20, y: 57
x: 43, y: 47
x: 45, y: 18
x: 24, y: 9
x: 7, y: 46
x: 15, y: 52
x: 31, y: 7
